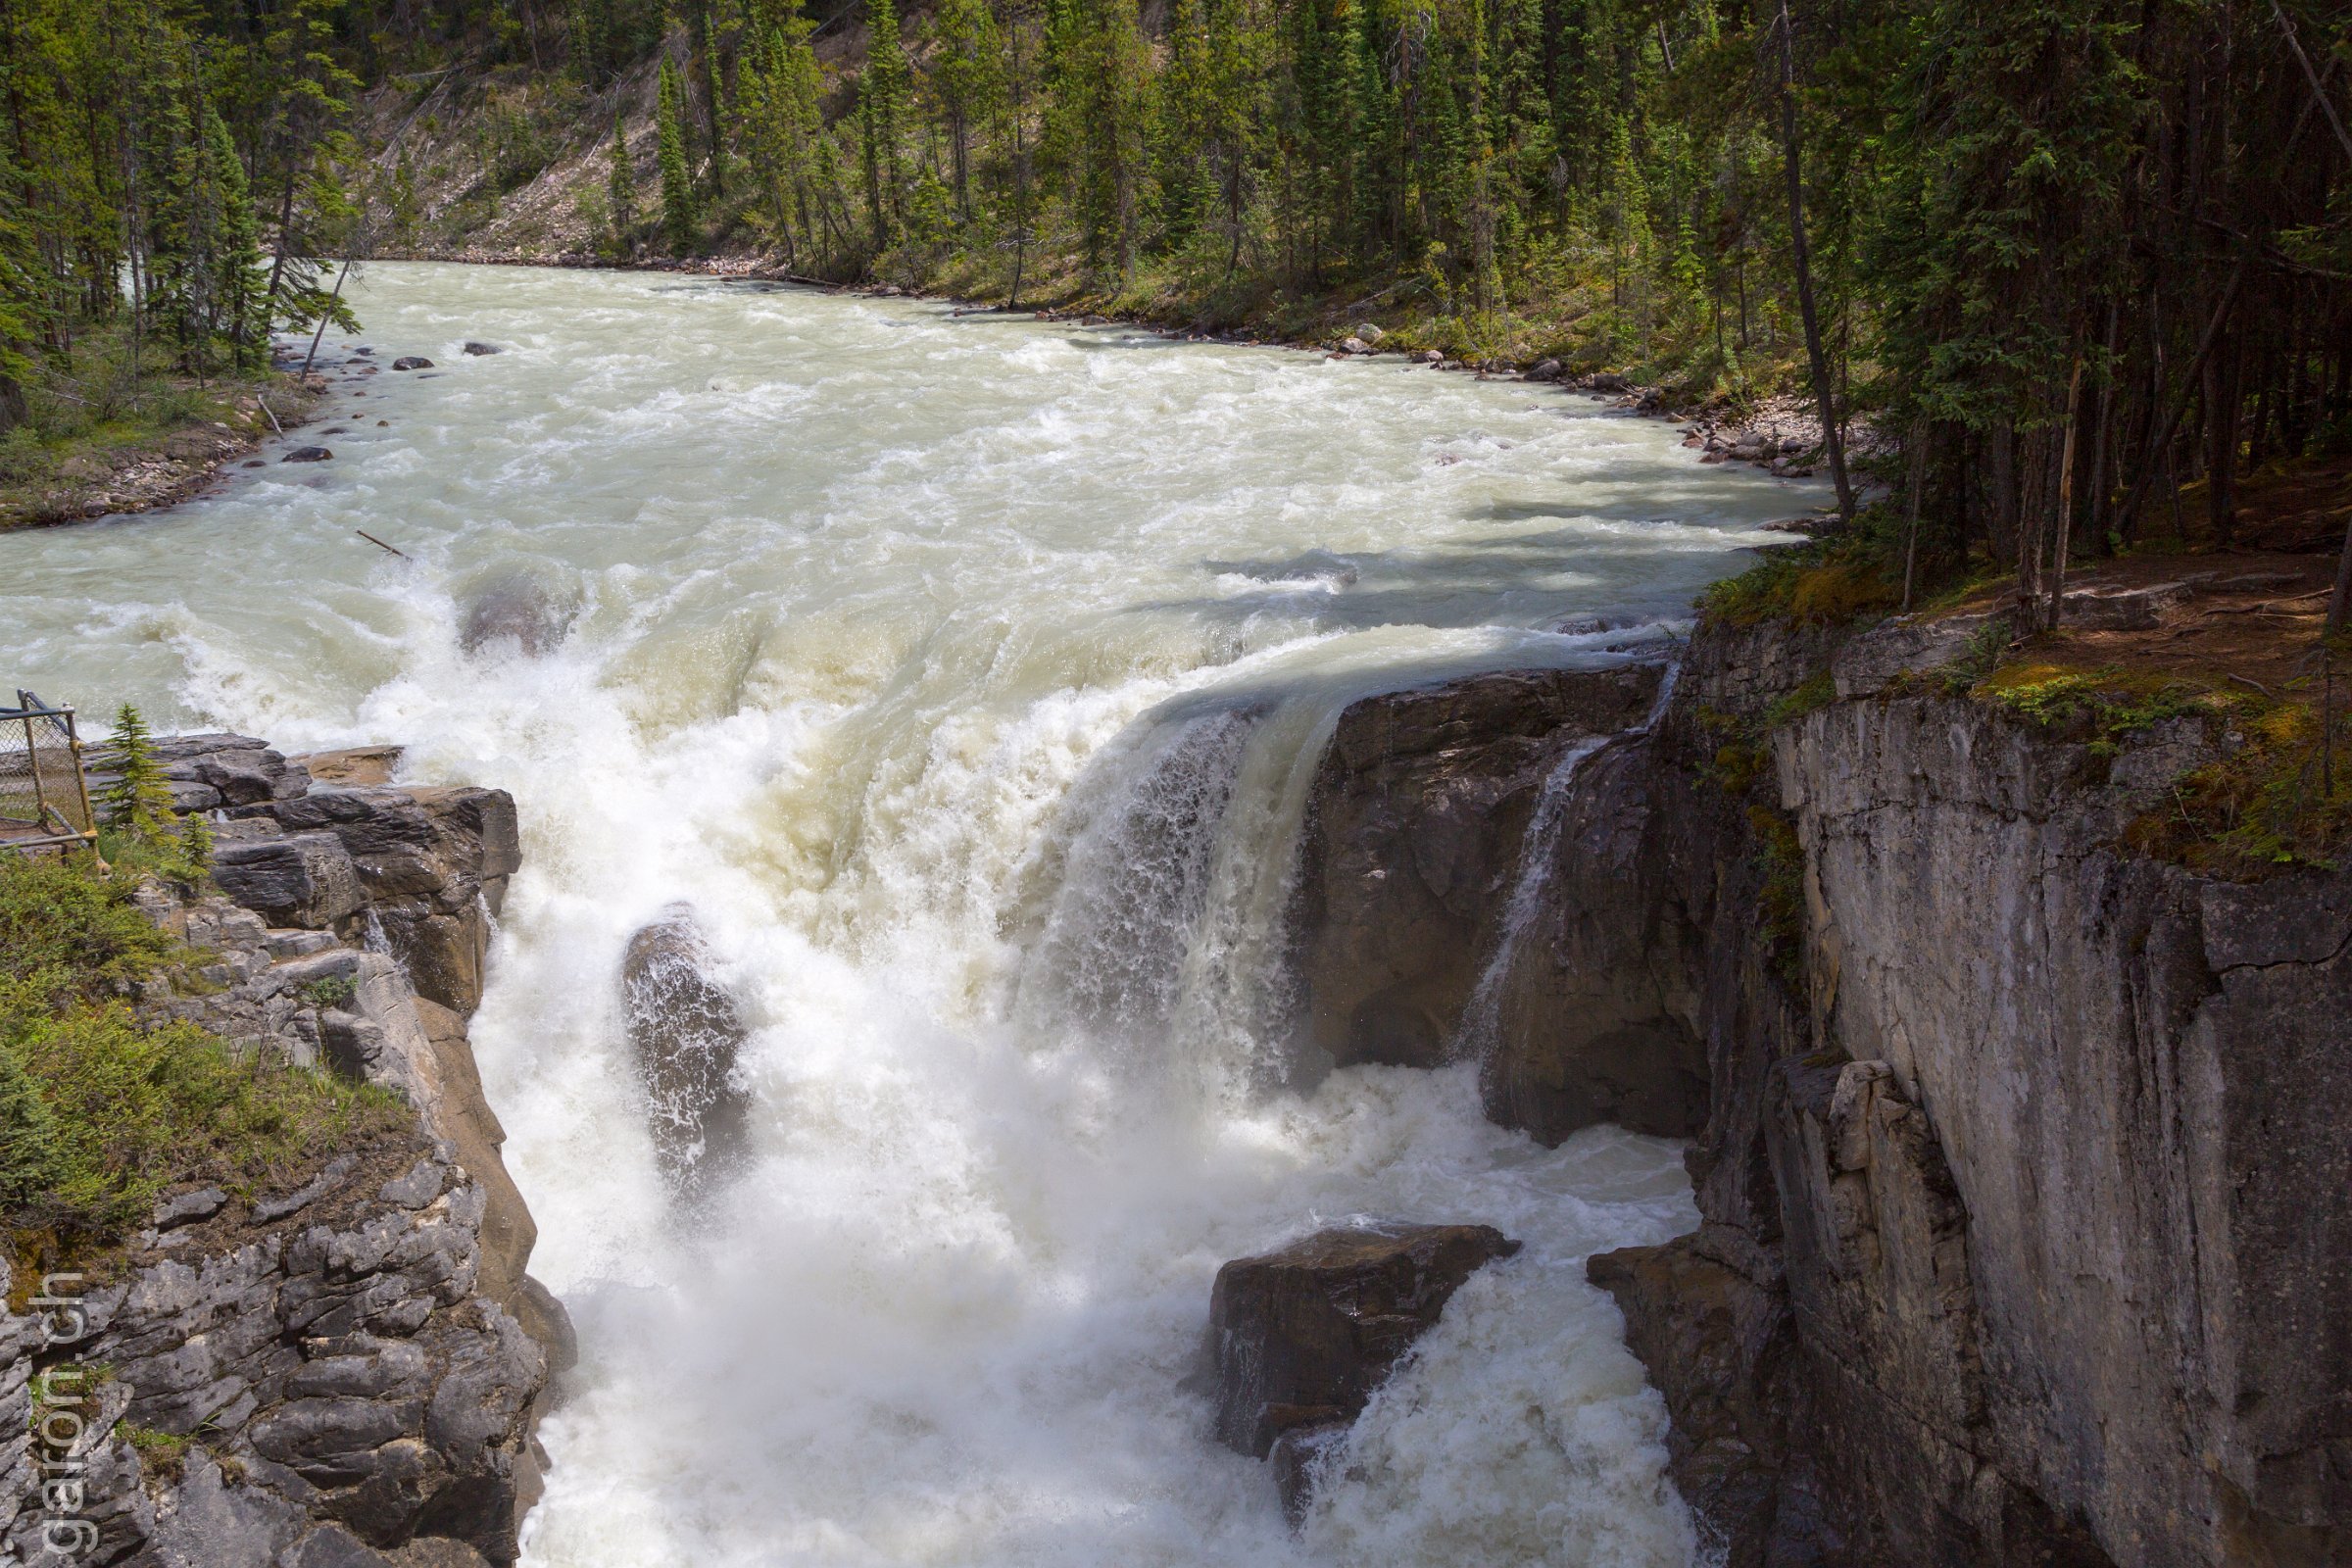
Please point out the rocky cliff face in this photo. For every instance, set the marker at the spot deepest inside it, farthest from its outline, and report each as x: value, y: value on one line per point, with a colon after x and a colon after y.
x: 2024, y: 1163
x: 347, y: 1372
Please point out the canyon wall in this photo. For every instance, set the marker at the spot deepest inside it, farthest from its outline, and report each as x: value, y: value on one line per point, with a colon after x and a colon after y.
x: 347, y: 1372
x: 2025, y: 1163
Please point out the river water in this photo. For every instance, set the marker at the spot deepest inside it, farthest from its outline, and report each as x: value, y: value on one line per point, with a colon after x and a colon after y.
x: 964, y: 674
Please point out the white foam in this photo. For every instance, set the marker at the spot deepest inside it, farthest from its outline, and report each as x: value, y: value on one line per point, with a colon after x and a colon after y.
x: 865, y: 649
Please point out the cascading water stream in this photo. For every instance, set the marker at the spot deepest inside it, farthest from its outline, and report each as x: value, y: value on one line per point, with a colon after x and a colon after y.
x: 976, y: 726
x: 1480, y: 1030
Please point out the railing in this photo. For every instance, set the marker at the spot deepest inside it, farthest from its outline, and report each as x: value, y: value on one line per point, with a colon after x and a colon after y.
x: 44, y: 795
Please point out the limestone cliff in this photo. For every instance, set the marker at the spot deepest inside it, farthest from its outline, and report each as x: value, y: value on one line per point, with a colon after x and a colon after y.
x: 348, y: 1371
x: 2025, y: 1162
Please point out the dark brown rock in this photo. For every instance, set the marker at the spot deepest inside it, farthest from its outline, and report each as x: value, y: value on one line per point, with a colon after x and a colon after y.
x: 1303, y: 1335
x: 1413, y: 831
x: 1296, y: 1457
x: 1597, y: 1008
x: 685, y: 1032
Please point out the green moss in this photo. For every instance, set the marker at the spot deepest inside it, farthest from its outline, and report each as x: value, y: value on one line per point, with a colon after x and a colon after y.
x: 2281, y: 800
x: 2104, y: 705
x: 98, y: 1113
x: 1815, y: 694
x: 162, y: 1453
x: 1830, y: 581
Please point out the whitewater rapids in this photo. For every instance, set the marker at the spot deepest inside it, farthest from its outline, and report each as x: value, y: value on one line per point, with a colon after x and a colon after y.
x: 965, y: 675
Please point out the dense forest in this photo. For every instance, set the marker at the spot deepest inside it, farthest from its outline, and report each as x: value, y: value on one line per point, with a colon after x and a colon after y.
x: 2083, y: 265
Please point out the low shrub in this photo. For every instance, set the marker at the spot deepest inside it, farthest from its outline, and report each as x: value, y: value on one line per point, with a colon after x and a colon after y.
x: 99, y: 1113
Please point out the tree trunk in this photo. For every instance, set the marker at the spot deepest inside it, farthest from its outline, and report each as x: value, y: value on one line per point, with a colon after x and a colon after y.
x: 2161, y: 447
x: 2000, y: 476
x: 2222, y: 388
x: 1823, y: 402
x: 2102, y: 423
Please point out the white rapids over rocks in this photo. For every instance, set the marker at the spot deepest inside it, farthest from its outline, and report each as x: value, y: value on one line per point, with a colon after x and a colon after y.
x: 965, y: 674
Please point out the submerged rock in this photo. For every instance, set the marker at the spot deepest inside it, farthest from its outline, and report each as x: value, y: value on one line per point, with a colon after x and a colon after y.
x: 518, y: 607
x: 307, y: 455
x: 412, y: 361
x: 483, y: 348
x: 686, y: 1035
x: 1302, y: 1335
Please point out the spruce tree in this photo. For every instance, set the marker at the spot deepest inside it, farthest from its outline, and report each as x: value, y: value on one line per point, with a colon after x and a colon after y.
x: 681, y: 222
x: 241, y: 303
x: 620, y: 191
x: 882, y: 94
x: 782, y: 120
x: 967, y: 79
x: 138, y: 801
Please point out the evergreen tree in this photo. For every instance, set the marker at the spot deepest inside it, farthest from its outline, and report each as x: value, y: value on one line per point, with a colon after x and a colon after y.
x: 882, y: 95
x: 967, y: 80
x: 621, y: 193
x: 712, y: 80
x: 138, y: 801
x: 681, y: 217
x: 783, y: 127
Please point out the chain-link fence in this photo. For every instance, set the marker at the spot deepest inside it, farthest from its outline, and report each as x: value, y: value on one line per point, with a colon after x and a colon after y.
x: 44, y: 796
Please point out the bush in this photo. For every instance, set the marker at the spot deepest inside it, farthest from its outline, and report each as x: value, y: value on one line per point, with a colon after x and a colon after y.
x: 1823, y: 582
x: 99, y: 1114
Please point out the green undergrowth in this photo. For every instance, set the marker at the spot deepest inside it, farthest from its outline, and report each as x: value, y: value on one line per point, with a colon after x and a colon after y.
x: 2104, y: 707
x: 2278, y: 800
x: 99, y: 1113
x: 1831, y: 580
x: 2279, y: 795
x: 163, y: 1454
x: 106, y: 404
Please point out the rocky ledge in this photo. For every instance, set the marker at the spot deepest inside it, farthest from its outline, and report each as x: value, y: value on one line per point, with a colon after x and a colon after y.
x: 1303, y: 1335
x: 2025, y: 1162
x: 348, y: 1372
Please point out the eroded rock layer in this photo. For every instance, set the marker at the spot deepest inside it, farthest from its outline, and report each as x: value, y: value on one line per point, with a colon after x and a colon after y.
x: 348, y: 1371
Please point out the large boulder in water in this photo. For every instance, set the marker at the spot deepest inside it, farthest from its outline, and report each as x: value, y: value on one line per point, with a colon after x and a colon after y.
x: 1415, y: 827
x: 686, y: 1033
x: 1303, y: 1335
x: 518, y: 607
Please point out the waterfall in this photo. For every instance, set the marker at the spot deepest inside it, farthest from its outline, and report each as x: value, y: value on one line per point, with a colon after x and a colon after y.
x: 1481, y: 1028
x: 970, y: 678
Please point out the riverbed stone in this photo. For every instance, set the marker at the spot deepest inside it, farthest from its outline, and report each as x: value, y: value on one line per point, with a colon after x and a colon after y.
x: 412, y: 361
x: 1302, y: 1335
x: 686, y: 1035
